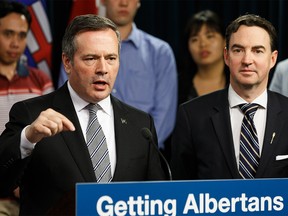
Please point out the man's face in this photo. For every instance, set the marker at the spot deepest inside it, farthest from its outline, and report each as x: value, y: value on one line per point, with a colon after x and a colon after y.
x: 95, y: 65
x: 250, y: 58
x: 121, y: 12
x: 13, y: 38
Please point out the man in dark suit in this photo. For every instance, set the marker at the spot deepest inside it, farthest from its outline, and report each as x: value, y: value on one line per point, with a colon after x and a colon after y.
x: 206, y: 141
x: 44, y: 141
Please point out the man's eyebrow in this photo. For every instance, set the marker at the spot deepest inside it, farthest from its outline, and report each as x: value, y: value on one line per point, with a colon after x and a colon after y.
x: 97, y: 55
x: 259, y: 47
x: 242, y: 47
x: 112, y: 54
x: 13, y: 31
x: 236, y: 46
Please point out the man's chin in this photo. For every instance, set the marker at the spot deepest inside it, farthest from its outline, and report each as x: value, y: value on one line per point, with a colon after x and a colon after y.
x: 100, y: 96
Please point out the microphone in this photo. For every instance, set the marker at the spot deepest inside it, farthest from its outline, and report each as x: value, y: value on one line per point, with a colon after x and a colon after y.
x: 148, y: 135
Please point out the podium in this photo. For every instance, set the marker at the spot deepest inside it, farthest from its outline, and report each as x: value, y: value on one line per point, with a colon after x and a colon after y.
x: 219, y: 197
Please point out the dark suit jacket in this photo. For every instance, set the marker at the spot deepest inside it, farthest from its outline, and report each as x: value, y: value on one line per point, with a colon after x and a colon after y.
x: 202, y: 143
x: 58, y: 162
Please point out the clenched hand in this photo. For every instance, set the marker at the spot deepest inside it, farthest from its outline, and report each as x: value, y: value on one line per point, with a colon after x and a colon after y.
x: 48, y: 123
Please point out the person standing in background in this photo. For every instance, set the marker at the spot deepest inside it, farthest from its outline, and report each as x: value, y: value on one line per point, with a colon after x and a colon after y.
x: 18, y: 81
x: 239, y: 132
x: 203, y: 70
x: 279, y: 82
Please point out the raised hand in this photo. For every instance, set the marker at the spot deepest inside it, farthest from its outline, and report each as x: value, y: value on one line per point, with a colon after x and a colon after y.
x: 48, y: 123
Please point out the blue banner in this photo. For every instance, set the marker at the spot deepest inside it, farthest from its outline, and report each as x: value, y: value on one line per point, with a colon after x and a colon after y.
x: 219, y: 197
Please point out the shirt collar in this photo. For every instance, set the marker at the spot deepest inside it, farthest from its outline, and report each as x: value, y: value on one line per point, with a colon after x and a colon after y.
x: 80, y: 104
x: 134, y: 36
x: 235, y: 99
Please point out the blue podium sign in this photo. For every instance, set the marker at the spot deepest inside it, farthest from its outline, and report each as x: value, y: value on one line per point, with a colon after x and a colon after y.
x: 171, y: 198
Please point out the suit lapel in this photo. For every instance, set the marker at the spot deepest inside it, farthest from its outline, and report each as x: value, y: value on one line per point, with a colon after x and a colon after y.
x: 121, y: 125
x: 74, y: 140
x: 274, y: 123
x: 222, y: 125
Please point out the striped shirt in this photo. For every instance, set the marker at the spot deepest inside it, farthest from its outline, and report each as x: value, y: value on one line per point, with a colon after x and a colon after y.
x: 27, y: 83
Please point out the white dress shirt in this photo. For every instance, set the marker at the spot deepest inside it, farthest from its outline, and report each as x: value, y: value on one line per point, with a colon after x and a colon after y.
x: 236, y: 116
x: 105, y: 117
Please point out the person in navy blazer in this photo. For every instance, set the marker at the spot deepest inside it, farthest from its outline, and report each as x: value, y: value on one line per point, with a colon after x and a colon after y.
x: 43, y: 148
x: 206, y: 139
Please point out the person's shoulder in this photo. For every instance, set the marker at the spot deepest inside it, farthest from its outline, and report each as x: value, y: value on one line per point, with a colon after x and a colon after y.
x: 41, y: 79
x: 151, y: 37
x: 154, y: 41
x: 280, y: 97
x: 207, y: 101
x: 278, y: 100
x: 283, y: 63
x: 49, y: 97
x: 282, y: 67
x: 203, y: 107
x: 37, y: 72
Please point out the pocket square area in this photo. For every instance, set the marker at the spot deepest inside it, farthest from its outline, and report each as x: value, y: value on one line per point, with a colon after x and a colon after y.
x: 281, y: 157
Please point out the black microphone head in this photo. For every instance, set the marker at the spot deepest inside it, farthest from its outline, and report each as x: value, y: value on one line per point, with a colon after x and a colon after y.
x: 146, y: 133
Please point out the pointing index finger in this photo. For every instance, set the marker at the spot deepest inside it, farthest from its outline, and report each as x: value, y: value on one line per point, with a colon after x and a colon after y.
x: 67, y: 124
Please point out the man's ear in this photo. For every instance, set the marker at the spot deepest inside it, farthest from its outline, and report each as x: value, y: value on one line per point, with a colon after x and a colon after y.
x: 225, y: 55
x: 139, y: 4
x: 273, y: 58
x: 66, y: 63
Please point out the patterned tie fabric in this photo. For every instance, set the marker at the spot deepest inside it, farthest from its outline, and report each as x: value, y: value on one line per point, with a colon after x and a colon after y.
x: 97, y: 146
x: 249, y: 145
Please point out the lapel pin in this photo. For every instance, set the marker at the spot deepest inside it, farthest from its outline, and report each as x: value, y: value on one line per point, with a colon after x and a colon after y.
x: 123, y: 121
x: 273, y: 135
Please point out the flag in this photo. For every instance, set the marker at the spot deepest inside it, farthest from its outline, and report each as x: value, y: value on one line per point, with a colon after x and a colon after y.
x: 79, y: 7
x: 39, y: 38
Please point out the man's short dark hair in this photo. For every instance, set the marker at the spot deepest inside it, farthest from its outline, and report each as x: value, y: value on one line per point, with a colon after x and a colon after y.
x: 252, y: 20
x: 7, y: 7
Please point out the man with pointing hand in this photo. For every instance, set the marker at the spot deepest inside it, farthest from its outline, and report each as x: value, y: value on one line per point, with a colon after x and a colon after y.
x: 51, y: 142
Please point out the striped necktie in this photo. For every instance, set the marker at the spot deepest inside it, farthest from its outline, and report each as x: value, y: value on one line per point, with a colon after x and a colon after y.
x: 249, y: 145
x: 97, y: 146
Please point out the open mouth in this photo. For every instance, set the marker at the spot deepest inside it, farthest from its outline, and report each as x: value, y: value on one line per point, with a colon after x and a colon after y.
x: 99, y: 82
x: 100, y: 85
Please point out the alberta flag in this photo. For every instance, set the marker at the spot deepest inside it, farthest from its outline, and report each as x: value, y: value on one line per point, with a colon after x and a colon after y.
x: 80, y: 7
x: 39, y: 38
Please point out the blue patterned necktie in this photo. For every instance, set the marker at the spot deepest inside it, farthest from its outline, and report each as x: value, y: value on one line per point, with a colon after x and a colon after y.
x: 249, y: 145
x: 97, y: 146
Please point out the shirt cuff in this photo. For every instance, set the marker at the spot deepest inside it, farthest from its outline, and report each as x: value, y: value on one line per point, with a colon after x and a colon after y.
x: 26, y: 147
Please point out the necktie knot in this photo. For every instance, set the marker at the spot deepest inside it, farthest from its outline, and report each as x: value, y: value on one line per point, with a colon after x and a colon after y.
x: 249, y: 109
x: 93, y: 108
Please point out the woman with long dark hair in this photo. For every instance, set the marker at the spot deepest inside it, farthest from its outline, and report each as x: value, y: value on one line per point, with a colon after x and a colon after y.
x: 203, y: 70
